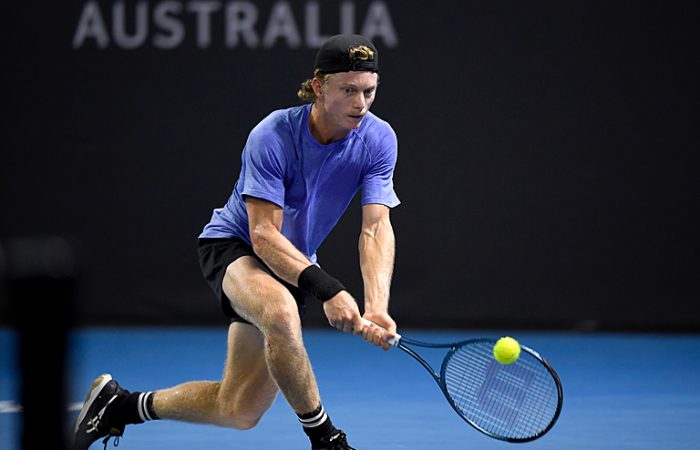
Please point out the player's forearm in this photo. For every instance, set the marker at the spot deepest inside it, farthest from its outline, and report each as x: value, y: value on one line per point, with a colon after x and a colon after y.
x: 376, y: 246
x: 278, y: 253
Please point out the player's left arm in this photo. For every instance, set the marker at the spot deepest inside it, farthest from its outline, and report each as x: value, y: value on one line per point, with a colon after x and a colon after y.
x: 376, y: 247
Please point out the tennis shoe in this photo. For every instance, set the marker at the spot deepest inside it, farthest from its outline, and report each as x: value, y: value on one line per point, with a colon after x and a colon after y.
x: 336, y: 441
x: 94, y: 420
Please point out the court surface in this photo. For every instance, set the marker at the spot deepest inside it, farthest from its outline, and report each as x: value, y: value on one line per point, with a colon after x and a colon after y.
x: 621, y: 391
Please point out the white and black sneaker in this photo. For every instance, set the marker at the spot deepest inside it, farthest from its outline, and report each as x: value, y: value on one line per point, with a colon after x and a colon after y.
x: 94, y: 421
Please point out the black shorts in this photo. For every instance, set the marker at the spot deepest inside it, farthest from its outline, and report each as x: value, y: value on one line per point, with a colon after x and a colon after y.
x: 215, y: 255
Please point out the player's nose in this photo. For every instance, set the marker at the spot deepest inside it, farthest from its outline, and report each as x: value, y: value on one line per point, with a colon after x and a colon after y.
x: 359, y: 102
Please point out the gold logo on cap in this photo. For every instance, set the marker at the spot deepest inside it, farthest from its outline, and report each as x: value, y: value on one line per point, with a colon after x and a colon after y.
x: 361, y: 53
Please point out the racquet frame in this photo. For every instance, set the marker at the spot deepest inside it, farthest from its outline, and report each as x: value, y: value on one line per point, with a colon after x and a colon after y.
x: 400, y: 341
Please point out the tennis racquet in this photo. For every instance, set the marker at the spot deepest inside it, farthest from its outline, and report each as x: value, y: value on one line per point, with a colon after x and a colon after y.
x: 515, y: 402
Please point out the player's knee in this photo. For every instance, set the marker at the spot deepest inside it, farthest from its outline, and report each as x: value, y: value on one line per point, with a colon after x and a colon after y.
x: 241, y: 418
x: 240, y: 422
x: 245, y: 422
x: 284, y: 322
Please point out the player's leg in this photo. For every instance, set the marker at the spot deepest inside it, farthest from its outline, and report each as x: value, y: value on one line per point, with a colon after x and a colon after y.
x: 259, y: 298
x: 239, y: 400
x: 247, y: 289
x: 255, y: 361
x: 246, y: 391
x: 263, y: 300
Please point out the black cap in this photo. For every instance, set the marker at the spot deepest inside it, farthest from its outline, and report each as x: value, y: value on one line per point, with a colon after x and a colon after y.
x: 335, y: 56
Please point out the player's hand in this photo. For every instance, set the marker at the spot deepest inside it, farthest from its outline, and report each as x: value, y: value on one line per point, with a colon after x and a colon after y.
x: 383, y: 329
x: 342, y: 312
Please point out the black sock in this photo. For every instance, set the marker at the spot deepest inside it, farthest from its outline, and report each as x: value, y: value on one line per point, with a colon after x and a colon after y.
x: 137, y: 407
x: 317, y: 424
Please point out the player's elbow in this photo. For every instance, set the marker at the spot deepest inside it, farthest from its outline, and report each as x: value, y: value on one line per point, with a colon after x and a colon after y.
x: 376, y: 228
x: 370, y: 231
x: 261, y: 236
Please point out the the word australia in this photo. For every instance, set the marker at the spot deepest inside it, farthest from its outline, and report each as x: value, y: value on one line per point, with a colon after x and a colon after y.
x: 170, y: 24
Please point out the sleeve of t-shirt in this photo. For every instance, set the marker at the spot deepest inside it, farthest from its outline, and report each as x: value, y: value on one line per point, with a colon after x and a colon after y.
x: 378, y: 183
x: 263, y: 175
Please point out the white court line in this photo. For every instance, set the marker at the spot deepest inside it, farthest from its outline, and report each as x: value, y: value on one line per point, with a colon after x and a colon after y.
x: 75, y: 406
x: 10, y: 407
x: 7, y: 407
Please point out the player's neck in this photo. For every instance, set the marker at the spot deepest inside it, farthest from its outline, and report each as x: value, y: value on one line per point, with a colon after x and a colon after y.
x: 323, y: 129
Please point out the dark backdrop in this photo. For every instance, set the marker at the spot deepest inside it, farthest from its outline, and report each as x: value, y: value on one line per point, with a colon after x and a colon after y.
x: 547, y: 166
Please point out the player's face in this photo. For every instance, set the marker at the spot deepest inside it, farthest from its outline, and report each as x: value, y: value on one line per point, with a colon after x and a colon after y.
x: 347, y: 97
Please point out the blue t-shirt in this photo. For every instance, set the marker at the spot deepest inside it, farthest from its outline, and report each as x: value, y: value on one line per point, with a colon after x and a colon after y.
x: 284, y: 164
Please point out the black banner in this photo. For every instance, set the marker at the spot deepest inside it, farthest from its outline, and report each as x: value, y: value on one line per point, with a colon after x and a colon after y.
x: 548, y: 151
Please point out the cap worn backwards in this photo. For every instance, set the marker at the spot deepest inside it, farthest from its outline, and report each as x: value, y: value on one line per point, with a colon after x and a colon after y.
x: 347, y: 53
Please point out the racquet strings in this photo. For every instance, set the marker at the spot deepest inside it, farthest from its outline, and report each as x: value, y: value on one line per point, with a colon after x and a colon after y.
x: 515, y: 401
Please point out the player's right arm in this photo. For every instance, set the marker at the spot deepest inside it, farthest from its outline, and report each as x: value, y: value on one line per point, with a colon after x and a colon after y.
x: 280, y: 255
x: 287, y: 262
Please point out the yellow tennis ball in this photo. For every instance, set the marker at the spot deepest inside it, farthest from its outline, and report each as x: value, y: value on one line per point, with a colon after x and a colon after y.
x: 506, y: 350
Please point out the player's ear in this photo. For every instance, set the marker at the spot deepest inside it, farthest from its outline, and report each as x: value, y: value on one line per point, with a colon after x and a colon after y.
x: 317, y: 87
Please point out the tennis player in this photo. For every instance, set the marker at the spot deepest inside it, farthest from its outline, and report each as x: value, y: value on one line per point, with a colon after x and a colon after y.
x: 301, y: 167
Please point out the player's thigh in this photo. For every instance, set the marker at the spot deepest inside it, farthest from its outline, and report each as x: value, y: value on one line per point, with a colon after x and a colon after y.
x: 247, y: 388
x: 259, y: 298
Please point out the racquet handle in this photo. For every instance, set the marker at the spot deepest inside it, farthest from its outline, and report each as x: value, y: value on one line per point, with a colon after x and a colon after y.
x: 394, y: 341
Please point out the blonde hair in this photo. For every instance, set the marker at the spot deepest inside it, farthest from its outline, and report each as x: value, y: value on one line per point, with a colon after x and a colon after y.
x: 306, y: 92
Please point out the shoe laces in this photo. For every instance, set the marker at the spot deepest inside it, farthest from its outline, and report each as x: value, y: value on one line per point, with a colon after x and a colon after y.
x: 94, y: 425
x: 114, y: 443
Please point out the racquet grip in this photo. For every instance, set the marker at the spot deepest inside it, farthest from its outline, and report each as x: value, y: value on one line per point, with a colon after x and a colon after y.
x: 394, y: 341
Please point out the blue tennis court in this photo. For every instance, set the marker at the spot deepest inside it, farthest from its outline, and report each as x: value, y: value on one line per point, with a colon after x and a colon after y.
x: 621, y: 391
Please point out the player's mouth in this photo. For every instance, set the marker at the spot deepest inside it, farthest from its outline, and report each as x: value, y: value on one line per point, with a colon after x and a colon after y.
x: 357, y: 117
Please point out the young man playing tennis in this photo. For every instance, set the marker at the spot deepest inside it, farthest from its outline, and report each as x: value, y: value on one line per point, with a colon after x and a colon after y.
x: 301, y: 167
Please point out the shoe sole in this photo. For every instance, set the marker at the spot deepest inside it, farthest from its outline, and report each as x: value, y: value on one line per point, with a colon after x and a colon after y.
x: 94, y: 392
